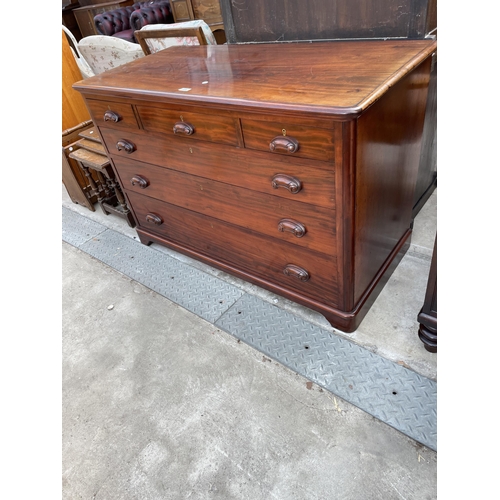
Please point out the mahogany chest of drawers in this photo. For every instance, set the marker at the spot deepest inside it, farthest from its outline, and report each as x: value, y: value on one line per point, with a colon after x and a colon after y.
x: 292, y: 166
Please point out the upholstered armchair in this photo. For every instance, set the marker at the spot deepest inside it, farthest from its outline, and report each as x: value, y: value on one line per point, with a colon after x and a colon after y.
x: 154, y: 13
x: 118, y: 22
x: 103, y: 53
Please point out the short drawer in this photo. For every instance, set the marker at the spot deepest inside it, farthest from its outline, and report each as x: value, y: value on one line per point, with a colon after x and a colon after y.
x: 286, y: 265
x: 113, y: 114
x: 289, y: 139
x: 189, y: 124
x: 286, y: 220
x: 297, y: 179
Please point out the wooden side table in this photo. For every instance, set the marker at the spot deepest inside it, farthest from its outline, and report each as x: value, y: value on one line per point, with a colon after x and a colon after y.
x: 90, y: 155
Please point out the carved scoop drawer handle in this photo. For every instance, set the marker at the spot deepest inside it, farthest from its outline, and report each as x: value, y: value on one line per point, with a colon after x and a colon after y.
x: 296, y: 272
x: 285, y: 181
x: 284, y: 144
x: 294, y: 227
x: 111, y: 116
x: 139, y: 181
x: 123, y: 145
x: 183, y: 128
x: 154, y: 219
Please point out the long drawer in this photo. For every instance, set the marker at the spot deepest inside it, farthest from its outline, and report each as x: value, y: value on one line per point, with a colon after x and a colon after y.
x: 299, y: 223
x: 309, y: 273
x: 297, y: 179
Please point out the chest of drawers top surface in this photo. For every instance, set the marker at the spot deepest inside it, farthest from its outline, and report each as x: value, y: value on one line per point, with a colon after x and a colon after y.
x: 323, y: 78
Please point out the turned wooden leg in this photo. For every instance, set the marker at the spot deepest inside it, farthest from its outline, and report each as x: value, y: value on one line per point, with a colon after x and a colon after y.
x: 107, y: 191
x: 97, y: 191
x: 428, y: 336
x: 427, y: 316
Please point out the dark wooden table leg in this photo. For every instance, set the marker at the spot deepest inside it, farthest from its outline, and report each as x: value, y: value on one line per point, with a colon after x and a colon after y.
x: 427, y: 317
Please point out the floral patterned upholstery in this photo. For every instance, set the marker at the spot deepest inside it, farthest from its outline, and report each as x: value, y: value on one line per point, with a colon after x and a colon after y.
x: 157, y: 44
x: 83, y: 66
x: 103, y: 53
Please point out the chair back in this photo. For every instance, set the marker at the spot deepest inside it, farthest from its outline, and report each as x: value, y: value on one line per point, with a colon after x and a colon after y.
x: 107, y: 52
x: 82, y: 64
x: 155, y: 37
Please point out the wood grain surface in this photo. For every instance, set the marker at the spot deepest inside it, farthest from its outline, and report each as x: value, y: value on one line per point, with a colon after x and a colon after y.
x: 253, y: 170
x: 334, y: 78
x: 252, y: 210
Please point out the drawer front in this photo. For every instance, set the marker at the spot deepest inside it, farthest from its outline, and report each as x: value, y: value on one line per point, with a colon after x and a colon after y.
x: 298, y: 223
x: 298, y: 269
x: 289, y: 139
x: 113, y: 114
x: 181, y: 123
x: 291, y: 178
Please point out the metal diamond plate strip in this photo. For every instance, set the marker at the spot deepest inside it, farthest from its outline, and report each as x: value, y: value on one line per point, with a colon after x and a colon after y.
x: 196, y: 291
x: 399, y: 397
x: 77, y: 229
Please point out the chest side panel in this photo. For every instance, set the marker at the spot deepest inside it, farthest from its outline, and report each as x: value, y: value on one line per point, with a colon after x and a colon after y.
x: 388, y: 144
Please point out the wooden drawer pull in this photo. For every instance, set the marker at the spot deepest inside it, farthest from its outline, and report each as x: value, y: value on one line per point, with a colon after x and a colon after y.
x: 111, y: 116
x: 139, y: 181
x: 154, y: 219
x: 123, y: 145
x: 285, y: 181
x: 183, y: 128
x: 285, y: 144
x: 296, y: 272
x: 294, y: 227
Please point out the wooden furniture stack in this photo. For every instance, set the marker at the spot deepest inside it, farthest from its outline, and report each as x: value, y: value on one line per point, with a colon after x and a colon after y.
x: 292, y: 166
x: 73, y: 177
x: 86, y: 171
x: 75, y: 117
x: 90, y: 155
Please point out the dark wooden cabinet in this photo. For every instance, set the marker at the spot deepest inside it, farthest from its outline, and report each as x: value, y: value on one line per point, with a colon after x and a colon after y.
x: 251, y: 21
x: 69, y: 20
x: 298, y: 177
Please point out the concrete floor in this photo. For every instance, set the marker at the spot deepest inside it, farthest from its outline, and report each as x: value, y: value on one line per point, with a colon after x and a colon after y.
x: 181, y: 409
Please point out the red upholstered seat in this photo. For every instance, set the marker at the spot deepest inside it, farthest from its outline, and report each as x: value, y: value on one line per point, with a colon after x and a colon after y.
x: 122, y: 22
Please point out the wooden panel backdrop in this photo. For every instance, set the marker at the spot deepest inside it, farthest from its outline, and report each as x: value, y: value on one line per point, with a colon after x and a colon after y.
x: 74, y: 110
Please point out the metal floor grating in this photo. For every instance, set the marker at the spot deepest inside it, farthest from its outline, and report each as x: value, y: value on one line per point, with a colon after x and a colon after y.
x: 392, y: 393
